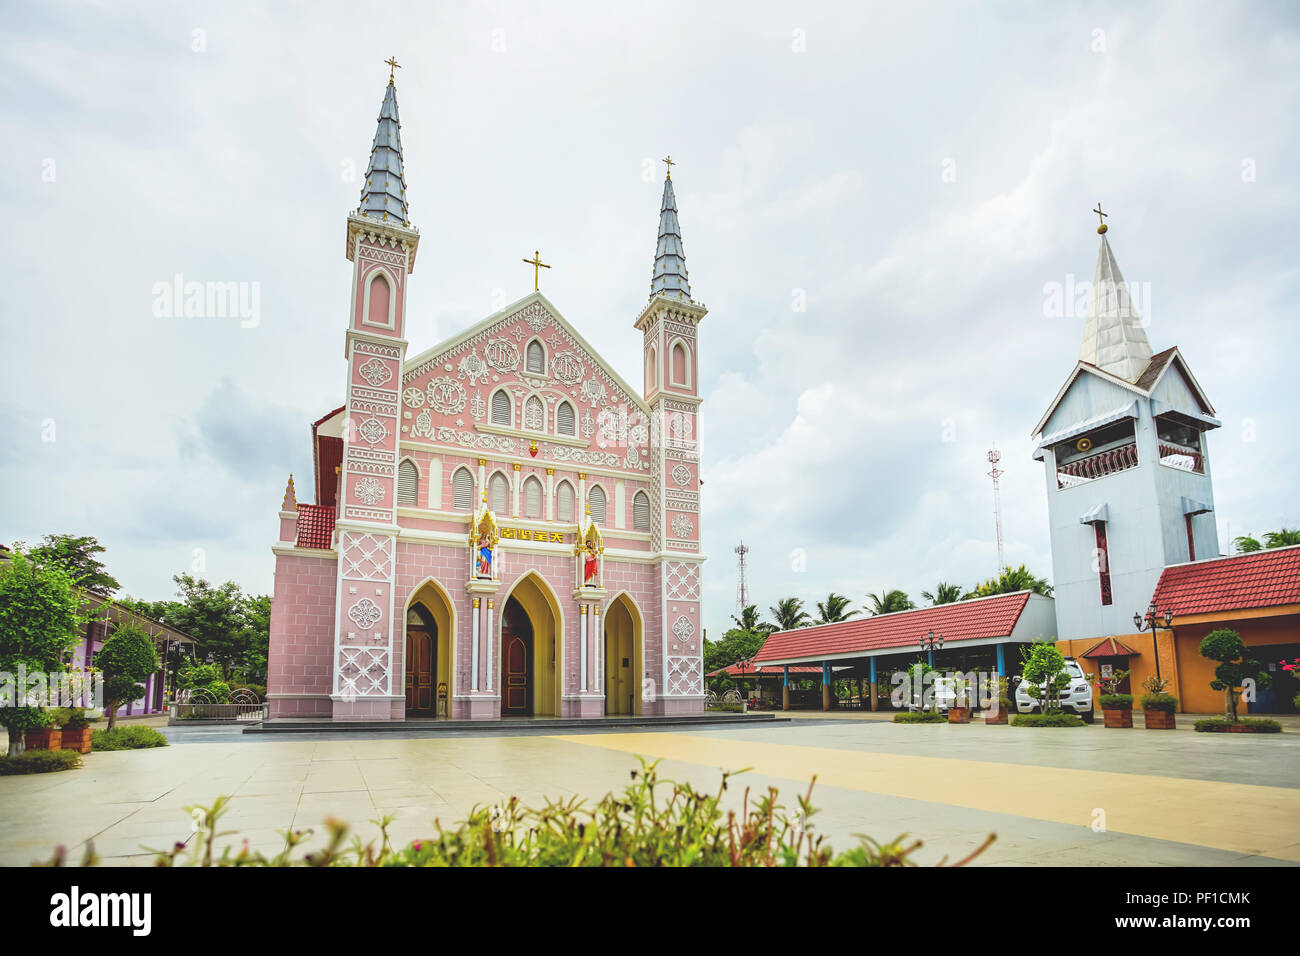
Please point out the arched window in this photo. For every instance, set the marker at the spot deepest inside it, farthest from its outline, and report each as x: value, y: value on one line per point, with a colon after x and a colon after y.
x: 596, y: 502
x: 565, y: 422
x: 501, y: 408
x: 462, y: 484
x: 652, y: 371
x: 535, y: 358
x: 532, y: 498
x: 681, y: 365
x: 564, y: 502
x: 379, y: 299
x: 499, y: 493
x: 534, y: 414
x: 408, y: 483
x: 641, y: 511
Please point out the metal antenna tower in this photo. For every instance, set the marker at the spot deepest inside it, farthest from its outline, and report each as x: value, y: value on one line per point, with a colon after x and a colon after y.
x: 742, y: 588
x: 995, y: 456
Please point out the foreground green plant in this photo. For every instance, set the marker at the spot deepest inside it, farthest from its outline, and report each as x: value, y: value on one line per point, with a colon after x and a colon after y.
x: 920, y: 717
x: 126, y: 738
x: 39, y: 761
x: 1050, y: 719
x: 1259, y: 725
x: 651, y: 823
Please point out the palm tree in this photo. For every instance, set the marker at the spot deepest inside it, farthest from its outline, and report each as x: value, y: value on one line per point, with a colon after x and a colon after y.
x: 887, y: 602
x: 788, y: 613
x: 748, y: 621
x: 835, y: 608
x: 1010, y: 580
x: 944, y: 593
x: 1246, y: 544
x: 1282, y: 538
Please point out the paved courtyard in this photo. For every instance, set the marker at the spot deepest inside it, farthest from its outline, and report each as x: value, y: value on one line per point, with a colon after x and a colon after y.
x: 1167, y: 797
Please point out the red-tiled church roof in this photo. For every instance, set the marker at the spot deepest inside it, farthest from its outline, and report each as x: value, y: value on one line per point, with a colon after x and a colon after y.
x: 315, y: 526
x: 959, y: 621
x: 1242, y: 581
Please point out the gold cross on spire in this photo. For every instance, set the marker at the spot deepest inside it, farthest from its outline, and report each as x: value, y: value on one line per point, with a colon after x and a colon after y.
x: 1101, y: 219
x: 671, y: 164
x: 392, y: 65
x: 537, y: 264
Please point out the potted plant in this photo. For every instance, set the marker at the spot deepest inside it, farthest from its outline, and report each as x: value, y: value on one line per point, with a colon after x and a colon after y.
x: 76, y: 731
x: 1158, y: 711
x: 44, y: 737
x: 1117, y: 710
x: 959, y: 711
x: 1001, y: 712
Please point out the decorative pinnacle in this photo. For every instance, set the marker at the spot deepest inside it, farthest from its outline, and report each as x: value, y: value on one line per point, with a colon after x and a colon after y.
x: 1101, y: 216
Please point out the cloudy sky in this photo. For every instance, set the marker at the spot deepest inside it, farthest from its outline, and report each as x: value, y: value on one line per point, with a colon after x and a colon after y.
x: 875, y: 199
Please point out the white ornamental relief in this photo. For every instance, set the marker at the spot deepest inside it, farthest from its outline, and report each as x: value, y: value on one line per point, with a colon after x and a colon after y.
x: 473, y: 368
x: 534, y: 415
x: 588, y: 425
x: 376, y: 372
x: 413, y: 398
x: 365, y: 614
x: 446, y: 395
x: 369, y: 491
x: 567, y: 367
x: 683, y: 628
x: 593, y: 391
x: 502, y: 355
x: 423, y: 425
x: 682, y: 475
x: 679, y: 426
x: 682, y: 526
x: 477, y: 407
x: 536, y: 320
x: 372, y: 431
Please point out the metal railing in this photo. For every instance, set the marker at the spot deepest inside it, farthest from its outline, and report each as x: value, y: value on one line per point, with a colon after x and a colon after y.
x: 1180, y: 456
x: 1097, y: 465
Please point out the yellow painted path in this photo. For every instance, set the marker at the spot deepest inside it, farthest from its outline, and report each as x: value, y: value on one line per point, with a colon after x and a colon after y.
x: 1238, y: 817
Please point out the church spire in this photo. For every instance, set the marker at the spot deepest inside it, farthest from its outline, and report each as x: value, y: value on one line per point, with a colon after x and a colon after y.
x: 670, y: 277
x: 1113, y: 337
x: 383, y: 196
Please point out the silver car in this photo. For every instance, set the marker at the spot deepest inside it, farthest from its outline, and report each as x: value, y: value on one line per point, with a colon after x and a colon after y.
x: 1076, y: 696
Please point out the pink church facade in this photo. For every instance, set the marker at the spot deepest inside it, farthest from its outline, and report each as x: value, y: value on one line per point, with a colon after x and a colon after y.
x: 503, y: 526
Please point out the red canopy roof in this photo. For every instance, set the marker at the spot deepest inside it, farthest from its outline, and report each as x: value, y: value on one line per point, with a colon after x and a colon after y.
x: 1243, y: 581
x: 961, y: 621
x: 1109, y: 647
x: 772, y: 670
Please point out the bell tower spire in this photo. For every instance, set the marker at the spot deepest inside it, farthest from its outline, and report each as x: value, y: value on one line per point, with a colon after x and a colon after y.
x: 383, y: 196
x: 1113, y: 337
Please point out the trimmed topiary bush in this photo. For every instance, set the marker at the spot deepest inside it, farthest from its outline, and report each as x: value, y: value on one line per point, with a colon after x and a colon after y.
x: 1167, y: 703
x: 39, y: 761
x: 1053, y: 719
x: 920, y: 717
x: 127, y: 738
x: 1116, y: 701
x: 1248, y: 725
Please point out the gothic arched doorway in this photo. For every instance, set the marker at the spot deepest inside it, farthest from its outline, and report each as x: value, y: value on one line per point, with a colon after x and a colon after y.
x: 428, y: 651
x: 516, y: 661
x: 529, y: 649
x: 624, y: 669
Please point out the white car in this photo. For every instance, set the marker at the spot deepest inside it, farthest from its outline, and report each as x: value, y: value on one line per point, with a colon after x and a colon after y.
x: 1077, y: 696
x: 943, y: 694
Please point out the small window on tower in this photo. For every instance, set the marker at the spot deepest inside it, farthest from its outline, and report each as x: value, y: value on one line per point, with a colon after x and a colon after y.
x: 1180, y: 444
x: 408, y: 479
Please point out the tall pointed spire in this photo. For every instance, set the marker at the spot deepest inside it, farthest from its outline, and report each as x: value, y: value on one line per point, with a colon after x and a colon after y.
x: 670, y: 277
x: 1113, y: 337
x: 383, y: 196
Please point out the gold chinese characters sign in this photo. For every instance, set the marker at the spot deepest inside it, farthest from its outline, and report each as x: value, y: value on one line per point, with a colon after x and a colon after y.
x: 523, y: 534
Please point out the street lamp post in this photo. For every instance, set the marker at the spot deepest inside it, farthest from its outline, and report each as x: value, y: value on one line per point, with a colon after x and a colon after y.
x: 929, y: 642
x: 1152, y: 620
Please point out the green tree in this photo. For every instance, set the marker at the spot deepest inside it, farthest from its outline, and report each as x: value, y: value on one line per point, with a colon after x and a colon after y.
x: 788, y: 613
x: 1010, y: 581
x: 41, y: 615
x: 944, y: 593
x: 257, y: 637
x: 1044, y: 673
x: 1282, y: 538
x: 1235, y: 668
x: 127, y: 658
x: 749, y: 621
x: 1245, y: 544
x: 736, y: 645
x: 77, y: 556
x: 835, y: 608
x: 215, y: 616
x: 887, y: 602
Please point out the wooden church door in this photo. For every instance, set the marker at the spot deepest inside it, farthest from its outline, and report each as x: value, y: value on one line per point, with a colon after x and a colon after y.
x: 516, y: 685
x: 419, y: 670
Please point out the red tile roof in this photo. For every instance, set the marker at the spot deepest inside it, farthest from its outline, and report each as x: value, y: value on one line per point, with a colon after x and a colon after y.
x: 960, y: 621
x: 315, y: 526
x: 769, y: 671
x: 1243, y: 581
x: 1109, y: 647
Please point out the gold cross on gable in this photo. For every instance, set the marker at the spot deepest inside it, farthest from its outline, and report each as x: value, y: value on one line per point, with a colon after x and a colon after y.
x: 537, y: 264
x: 671, y: 164
x: 392, y: 65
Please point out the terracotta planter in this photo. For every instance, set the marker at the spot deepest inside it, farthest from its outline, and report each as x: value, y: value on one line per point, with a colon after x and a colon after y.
x: 78, y: 740
x: 49, y: 739
x: 1118, y: 718
x: 959, y: 715
x: 1000, y: 718
x: 1158, y: 720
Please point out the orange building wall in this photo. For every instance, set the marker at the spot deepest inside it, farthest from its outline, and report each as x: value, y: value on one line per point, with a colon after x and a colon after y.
x: 1180, y: 654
